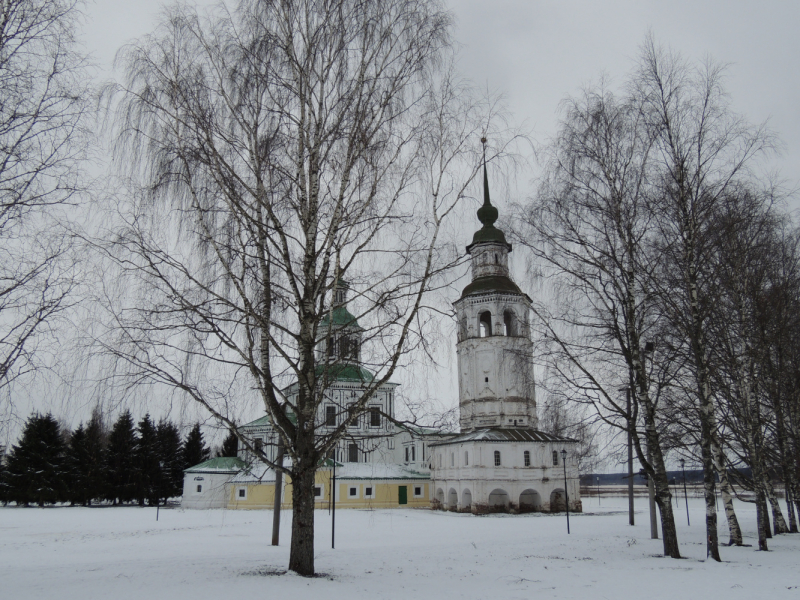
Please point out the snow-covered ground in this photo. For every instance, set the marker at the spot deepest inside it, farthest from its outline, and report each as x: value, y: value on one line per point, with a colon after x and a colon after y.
x: 119, y: 553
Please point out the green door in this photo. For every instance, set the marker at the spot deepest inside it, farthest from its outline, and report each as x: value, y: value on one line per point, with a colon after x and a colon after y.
x: 403, y: 494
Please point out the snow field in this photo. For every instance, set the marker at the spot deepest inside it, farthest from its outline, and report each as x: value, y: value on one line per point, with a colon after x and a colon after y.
x: 85, y: 553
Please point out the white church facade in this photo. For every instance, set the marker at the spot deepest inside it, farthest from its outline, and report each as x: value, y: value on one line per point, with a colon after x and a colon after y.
x: 498, y: 461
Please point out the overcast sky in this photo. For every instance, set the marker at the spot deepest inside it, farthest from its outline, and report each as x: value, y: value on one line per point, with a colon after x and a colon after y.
x: 536, y: 53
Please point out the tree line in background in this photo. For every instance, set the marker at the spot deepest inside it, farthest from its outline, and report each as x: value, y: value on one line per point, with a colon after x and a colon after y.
x: 675, y: 272
x: 141, y: 463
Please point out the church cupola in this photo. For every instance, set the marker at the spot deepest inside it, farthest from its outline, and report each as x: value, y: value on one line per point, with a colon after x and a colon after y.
x: 339, y: 331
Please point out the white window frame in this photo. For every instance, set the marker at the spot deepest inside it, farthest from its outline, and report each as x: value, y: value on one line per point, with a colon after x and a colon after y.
x: 466, y: 458
x: 239, y: 495
x: 498, y: 458
x: 321, y: 488
x: 421, y: 491
x: 350, y: 488
x: 369, y: 486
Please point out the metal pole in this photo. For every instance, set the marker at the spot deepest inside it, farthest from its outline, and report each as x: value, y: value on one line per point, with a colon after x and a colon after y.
x: 276, y: 510
x: 333, y: 500
x: 685, y: 495
x: 598, y: 491
x: 630, y: 458
x: 566, y: 492
x: 651, y: 492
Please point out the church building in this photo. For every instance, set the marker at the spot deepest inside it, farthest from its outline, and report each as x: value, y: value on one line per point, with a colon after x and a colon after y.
x: 498, y: 461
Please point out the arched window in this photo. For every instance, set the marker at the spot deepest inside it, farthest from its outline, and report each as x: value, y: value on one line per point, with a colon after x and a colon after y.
x: 497, y: 458
x: 527, y: 456
x: 555, y: 458
x: 509, y: 324
x: 485, y: 321
x: 496, y: 260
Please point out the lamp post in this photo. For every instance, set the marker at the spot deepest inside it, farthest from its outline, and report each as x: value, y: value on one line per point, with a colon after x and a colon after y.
x: 627, y: 391
x: 566, y: 493
x: 685, y: 496
x: 649, y: 348
x: 598, y: 491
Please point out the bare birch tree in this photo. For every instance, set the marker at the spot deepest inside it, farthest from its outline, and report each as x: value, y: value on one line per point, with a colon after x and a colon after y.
x: 590, y: 229
x: 43, y: 141
x: 703, y: 150
x: 279, y: 150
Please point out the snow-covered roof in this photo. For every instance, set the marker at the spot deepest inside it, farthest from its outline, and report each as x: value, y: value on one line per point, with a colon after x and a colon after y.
x: 496, y: 434
x: 378, y: 471
x: 221, y: 464
x: 261, y: 473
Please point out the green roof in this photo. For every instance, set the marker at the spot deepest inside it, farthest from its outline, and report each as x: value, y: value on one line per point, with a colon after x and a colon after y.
x: 489, y: 284
x: 222, y: 463
x: 345, y: 372
x: 339, y: 317
x: 267, y: 420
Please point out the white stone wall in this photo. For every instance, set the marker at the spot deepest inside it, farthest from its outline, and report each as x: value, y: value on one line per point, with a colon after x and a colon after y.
x: 470, y: 467
x: 212, y: 494
x: 489, y: 259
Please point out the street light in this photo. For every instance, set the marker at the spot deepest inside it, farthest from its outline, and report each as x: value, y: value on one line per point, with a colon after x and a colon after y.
x: 627, y: 391
x: 566, y: 493
x: 685, y: 496
x: 649, y: 349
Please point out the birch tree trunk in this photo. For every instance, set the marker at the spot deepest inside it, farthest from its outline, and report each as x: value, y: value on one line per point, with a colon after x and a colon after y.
x: 727, y: 496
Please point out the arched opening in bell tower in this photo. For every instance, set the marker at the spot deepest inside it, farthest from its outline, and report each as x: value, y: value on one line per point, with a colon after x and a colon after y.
x: 485, y: 323
x: 509, y: 324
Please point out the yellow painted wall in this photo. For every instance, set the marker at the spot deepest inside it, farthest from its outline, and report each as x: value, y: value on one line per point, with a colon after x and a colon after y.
x: 386, y: 494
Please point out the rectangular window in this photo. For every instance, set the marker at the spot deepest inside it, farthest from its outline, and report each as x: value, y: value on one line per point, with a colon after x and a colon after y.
x: 413, y: 453
x: 330, y: 416
x: 369, y: 492
x: 374, y: 416
x: 199, y: 489
x: 417, y: 491
x: 466, y: 459
x: 350, y: 412
x: 555, y: 458
x: 496, y: 458
x: 452, y: 459
x: 390, y: 443
x: 352, y: 492
x: 258, y: 444
x: 317, y: 491
x: 352, y: 453
x: 406, y: 453
x: 242, y: 493
x: 527, y: 457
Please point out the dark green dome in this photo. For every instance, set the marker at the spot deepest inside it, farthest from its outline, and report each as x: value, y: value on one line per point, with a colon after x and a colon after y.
x: 491, y: 284
x: 487, y: 214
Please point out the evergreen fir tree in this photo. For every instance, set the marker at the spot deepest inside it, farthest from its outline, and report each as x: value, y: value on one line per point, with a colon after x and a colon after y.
x: 170, y: 481
x: 194, y: 448
x: 3, y: 479
x: 93, y: 468
x: 76, y: 448
x: 230, y: 447
x: 85, y: 466
x: 146, y: 470
x: 120, y: 461
x: 36, y: 467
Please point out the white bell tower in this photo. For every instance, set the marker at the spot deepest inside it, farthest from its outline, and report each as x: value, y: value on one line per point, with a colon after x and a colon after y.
x: 496, y: 386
